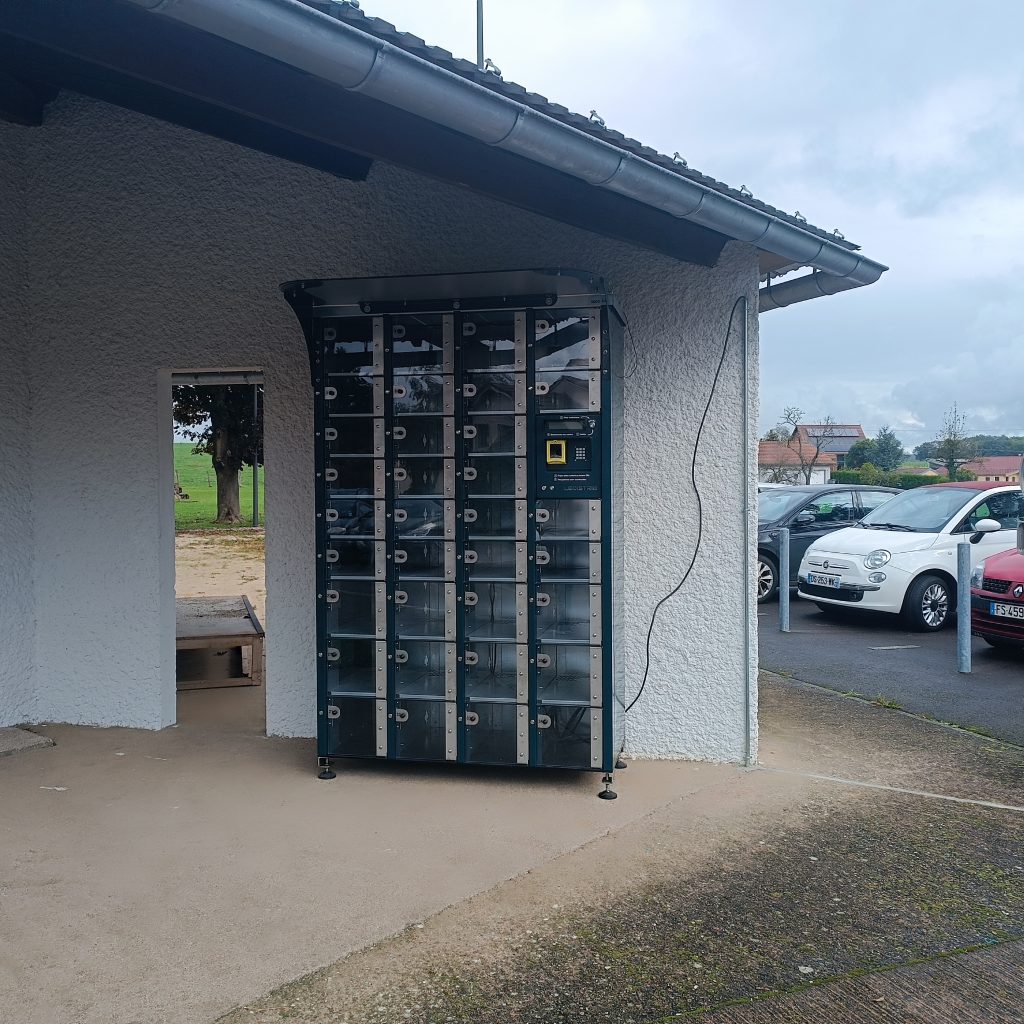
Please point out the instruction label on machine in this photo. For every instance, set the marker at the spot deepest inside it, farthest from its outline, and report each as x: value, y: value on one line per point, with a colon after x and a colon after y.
x: 568, y: 460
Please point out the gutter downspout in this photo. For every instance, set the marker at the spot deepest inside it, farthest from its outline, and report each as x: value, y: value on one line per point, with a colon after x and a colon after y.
x: 749, y: 678
x: 333, y: 50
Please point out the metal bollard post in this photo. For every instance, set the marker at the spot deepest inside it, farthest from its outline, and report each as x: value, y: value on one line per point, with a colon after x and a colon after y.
x: 963, y: 606
x: 784, y: 580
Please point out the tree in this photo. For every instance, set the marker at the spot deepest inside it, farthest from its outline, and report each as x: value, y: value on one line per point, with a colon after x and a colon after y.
x: 808, y: 455
x: 864, y: 451
x: 953, y: 448
x: 778, y: 433
x: 223, y: 426
x: 889, y: 451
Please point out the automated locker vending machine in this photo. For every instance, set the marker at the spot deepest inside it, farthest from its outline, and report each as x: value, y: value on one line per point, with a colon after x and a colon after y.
x: 467, y: 438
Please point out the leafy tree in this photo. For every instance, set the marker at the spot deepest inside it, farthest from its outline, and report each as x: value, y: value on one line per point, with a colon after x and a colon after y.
x: 953, y: 448
x: 219, y: 418
x: 871, y: 474
x: 777, y: 433
x: 808, y: 455
x: 863, y: 452
x: 888, y: 449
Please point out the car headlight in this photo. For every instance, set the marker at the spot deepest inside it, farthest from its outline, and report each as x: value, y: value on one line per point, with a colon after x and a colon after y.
x: 978, y: 574
x: 877, y: 559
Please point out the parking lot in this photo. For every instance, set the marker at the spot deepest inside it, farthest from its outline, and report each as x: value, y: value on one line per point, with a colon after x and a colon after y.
x: 872, y: 655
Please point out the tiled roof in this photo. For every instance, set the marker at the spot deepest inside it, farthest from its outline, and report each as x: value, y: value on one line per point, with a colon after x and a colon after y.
x: 384, y: 30
x: 994, y: 465
x: 775, y: 453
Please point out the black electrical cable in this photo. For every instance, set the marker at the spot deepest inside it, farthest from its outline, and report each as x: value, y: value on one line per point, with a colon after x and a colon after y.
x: 700, y: 510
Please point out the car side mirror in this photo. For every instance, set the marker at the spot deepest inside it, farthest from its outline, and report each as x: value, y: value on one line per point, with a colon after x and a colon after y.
x: 983, y: 526
x: 804, y: 519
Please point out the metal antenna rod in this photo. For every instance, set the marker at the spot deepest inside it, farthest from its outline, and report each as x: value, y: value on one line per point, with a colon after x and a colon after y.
x: 480, y: 34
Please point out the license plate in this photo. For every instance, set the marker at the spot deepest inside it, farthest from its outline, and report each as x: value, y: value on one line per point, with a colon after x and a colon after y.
x: 1007, y: 611
x: 825, y: 581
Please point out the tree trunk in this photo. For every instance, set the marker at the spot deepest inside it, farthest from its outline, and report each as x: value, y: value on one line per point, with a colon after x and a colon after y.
x: 227, y: 466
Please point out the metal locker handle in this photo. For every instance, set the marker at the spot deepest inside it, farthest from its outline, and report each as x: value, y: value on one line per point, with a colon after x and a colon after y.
x: 542, y: 326
x: 401, y: 657
x: 331, y: 515
x: 401, y: 557
x: 330, y: 333
x: 543, y: 515
x: 469, y: 515
x: 401, y: 474
x: 332, y: 596
x: 469, y: 390
x: 470, y: 599
x: 543, y: 600
x: 401, y: 515
x: 472, y: 718
x: 543, y: 387
x: 543, y: 721
x: 469, y: 473
x: 331, y: 434
x: 330, y: 475
x: 331, y: 555
x: 398, y: 331
x: 471, y: 658
x: 543, y: 556
x: 470, y: 557
x: 543, y: 661
x: 400, y: 391
x: 333, y: 654
x: 330, y: 394
x: 401, y: 715
x: 468, y: 329
x: 399, y: 433
x: 469, y: 432
x: 333, y: 711
x: 401, y: 597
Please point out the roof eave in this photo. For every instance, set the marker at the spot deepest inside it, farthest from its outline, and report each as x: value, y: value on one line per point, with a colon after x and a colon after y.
x: 291, y: 32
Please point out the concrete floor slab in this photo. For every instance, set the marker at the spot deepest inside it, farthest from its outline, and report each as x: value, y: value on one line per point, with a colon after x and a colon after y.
x: 166, y: 877
x: 15, y: 741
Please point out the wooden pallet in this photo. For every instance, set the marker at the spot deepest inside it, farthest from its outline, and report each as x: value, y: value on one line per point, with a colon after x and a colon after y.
x: 221, y: 624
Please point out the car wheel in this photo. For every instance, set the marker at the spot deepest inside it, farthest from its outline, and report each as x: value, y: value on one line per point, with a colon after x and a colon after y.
x: 928, y: 605
x: 767, y: 578
x: 1003, y: 643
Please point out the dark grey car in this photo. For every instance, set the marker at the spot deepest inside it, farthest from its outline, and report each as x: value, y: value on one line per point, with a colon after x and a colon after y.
x: 809, y: 511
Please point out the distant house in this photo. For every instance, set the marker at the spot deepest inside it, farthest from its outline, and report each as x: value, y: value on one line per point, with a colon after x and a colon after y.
x: 1000, y: 469
x: 779, y: 463
x: 841, y: 437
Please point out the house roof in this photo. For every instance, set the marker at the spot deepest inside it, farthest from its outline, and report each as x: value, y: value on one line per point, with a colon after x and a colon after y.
x: 994, y: 465
x: 489, y: 80
x: 777, y: 453
x: 841, y: 436
x: 323, y: 84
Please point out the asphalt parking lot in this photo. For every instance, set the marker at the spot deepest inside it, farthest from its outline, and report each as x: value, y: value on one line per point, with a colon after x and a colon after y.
x: 872, y: 655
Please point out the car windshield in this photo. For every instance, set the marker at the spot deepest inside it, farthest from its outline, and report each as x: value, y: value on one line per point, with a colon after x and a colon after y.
x: 924, y: 510
x: 773, y: 505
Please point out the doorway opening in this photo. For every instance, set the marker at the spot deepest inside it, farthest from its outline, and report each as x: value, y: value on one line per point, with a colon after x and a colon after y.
x: 219, y: 550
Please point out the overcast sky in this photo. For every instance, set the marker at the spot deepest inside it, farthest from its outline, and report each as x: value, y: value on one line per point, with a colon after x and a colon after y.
x: 901, y: 122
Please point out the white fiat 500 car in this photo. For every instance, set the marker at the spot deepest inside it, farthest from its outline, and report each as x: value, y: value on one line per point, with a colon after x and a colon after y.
x: 901, y: 558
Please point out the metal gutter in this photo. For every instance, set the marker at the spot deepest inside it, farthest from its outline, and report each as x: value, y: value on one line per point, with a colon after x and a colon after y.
x: 332, y: 50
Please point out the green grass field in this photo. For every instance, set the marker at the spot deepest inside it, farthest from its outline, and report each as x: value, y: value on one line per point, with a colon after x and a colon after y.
x: 199, y: 482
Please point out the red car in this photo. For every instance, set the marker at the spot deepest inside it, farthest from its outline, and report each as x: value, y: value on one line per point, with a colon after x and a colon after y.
x: 997, y: 599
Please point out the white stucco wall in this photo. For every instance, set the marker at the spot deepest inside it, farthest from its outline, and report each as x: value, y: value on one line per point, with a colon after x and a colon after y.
x: 17, y: 605
x: 152, y: 248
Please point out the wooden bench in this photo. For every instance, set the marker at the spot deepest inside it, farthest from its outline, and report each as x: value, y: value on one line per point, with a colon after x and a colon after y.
x: 223, y: 625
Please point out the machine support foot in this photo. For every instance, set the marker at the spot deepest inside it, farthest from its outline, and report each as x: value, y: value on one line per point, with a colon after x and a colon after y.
x: 326, y: 771
x: 607, y: 793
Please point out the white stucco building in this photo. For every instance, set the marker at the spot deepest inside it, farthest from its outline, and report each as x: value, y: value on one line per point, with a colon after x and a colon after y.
x: 190, y: 156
